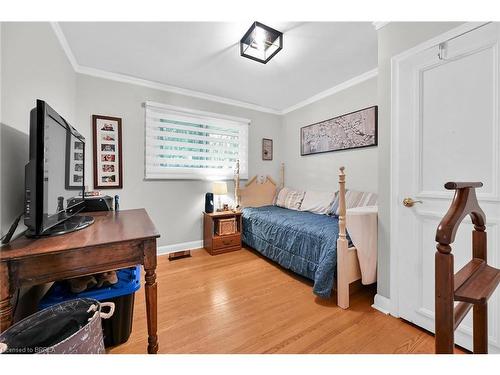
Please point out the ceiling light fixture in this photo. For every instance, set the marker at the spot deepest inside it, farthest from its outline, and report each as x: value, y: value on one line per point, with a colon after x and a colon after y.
x: 261, y: 43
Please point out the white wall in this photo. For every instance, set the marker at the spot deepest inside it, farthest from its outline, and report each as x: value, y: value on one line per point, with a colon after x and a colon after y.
x: 40, y: 69
x: 34, y: 66
x: 175, y: 206
x: 393, y: 39
x: 320, y: 171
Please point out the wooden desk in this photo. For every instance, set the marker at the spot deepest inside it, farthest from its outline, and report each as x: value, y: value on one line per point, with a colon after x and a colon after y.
x: 115, y: 240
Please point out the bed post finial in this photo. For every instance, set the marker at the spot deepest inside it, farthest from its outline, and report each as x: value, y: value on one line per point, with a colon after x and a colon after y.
x: 282, y: 176
x: 342, y: 248
x: 342, y: 207
x: 237, y: 185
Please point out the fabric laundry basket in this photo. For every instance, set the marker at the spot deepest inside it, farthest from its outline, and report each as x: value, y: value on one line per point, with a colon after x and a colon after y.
x: 71, y: 327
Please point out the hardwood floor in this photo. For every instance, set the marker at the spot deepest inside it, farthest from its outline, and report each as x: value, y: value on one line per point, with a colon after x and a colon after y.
x: 240, y: 302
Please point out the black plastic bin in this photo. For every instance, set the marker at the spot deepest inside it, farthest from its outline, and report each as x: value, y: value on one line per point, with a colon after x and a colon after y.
x: 116, y: 330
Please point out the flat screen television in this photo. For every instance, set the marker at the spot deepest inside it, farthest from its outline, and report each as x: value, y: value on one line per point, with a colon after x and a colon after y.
x: 54, y: 175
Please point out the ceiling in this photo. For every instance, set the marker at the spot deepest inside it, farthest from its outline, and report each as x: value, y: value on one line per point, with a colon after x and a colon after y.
x: 205, y: 56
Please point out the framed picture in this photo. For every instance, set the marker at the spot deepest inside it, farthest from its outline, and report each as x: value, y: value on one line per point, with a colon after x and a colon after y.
x: 352, y: 130
x: 267, y: 149
x: 74, y: 163
x: 108, y: 169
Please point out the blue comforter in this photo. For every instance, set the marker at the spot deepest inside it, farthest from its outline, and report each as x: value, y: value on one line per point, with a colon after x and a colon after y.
x: 303, y: 242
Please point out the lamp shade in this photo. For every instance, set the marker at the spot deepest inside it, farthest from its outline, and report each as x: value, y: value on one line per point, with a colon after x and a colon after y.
x: 219, y: 188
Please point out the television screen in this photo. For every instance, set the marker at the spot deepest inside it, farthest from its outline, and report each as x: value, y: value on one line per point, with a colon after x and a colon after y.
x: 54, y: 185
x: 64, y: 157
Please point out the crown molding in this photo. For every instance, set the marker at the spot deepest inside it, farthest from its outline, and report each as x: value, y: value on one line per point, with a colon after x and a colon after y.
x: 333, y: 90
x: 118, y: 77
x: 147, y: 83
x: 379, y: 25
x: 64, y: 45
x: 172, y: 89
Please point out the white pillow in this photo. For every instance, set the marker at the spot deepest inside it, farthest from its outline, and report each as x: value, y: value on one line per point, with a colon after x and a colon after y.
x: 281, y: 197
x: 288, y: 198
x: 355, y: 199
x: 319, y: 202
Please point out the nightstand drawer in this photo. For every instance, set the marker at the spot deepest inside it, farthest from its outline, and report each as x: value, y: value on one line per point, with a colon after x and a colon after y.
x: 226, y: 241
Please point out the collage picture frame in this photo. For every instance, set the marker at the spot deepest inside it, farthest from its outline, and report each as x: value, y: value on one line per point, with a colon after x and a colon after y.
x: 108, y: 168
x: 75, y: 162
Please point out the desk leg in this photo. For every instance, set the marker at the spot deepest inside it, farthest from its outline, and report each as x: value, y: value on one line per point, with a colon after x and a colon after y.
x: 151, y: 294
x: 5, y: 297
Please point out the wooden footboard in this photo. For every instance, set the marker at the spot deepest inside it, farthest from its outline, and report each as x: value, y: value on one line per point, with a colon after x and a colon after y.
x: 348, y: 269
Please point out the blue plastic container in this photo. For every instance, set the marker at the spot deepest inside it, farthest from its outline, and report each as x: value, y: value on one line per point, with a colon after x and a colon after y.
x: 117, y: 329
x: 129, y: 281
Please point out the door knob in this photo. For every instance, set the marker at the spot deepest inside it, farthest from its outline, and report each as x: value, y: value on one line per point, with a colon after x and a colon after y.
x: 409, y: 202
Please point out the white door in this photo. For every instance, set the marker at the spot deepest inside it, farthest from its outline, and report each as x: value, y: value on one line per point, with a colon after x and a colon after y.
x: 446, y: 128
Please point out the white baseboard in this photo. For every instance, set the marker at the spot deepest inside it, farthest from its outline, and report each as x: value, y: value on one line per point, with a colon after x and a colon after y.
x: 167, y: 249
x: 382, y: 304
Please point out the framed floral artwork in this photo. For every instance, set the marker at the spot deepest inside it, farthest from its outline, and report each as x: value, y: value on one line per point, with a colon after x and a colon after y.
x: 353, y: 130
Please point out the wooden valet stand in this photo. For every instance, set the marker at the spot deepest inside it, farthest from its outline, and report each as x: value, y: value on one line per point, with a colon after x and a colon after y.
x: 473, y: 285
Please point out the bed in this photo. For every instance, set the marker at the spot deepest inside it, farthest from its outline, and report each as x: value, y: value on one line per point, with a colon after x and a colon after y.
x: 312, y: 245
x: 303, y: 242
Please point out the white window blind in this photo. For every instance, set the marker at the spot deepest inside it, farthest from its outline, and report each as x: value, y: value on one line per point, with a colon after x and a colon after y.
x: 186, y: 144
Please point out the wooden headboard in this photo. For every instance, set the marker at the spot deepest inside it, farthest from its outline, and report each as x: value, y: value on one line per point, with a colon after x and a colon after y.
x: 258, y: 191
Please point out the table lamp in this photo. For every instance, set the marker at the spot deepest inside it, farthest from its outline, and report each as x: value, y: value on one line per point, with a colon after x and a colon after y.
x: 219, y: 188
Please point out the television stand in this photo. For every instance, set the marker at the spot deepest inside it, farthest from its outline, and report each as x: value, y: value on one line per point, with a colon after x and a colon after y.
x: 117, y: 239
x: 71, y: 224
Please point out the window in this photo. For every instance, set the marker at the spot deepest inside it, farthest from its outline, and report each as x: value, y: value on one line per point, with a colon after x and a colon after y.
x: 187, y: 144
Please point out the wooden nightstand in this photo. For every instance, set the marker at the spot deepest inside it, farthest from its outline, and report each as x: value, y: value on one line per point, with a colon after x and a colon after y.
x: 216, y: 244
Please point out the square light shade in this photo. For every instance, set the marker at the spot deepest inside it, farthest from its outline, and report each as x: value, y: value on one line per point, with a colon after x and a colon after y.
x: 261, y: 43
x: 219, y: 188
